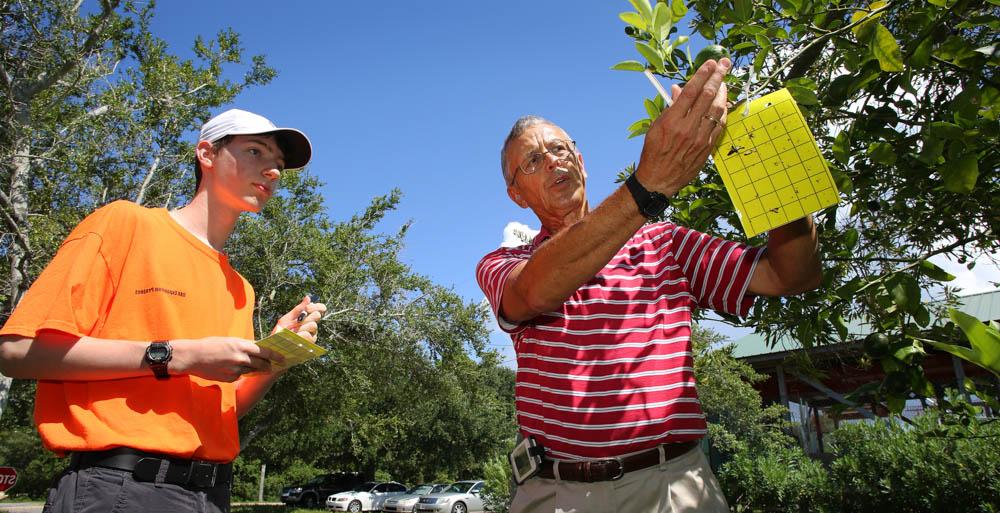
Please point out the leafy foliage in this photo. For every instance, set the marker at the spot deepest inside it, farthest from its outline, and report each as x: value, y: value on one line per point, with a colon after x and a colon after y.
x: 904, y: 101
x: 784, y: 479
x: 885, y: 467
x: 95, y: 109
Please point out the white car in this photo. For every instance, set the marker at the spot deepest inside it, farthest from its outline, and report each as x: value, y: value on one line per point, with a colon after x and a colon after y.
x: 407, y: 502
x: 461, y: 497
x: 364, y: 497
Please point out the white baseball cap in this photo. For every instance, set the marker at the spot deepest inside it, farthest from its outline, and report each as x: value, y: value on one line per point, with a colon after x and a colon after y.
x: 295, y: 144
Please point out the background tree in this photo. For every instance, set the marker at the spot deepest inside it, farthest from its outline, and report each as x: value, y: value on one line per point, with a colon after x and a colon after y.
x: 904, y: 100
x: 95, y: 109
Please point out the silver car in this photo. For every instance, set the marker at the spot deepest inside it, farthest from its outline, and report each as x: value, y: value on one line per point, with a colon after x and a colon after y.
x: 460, y: 497
x: 407, y: 502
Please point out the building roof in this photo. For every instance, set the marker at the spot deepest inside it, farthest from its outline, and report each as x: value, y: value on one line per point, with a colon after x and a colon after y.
x: 984, y: 306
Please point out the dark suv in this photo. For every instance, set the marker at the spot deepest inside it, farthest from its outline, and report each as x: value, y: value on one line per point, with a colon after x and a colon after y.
x: 318, y: 488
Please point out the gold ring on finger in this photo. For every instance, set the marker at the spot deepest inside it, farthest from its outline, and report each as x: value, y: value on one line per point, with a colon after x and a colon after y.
x: 715, y: 122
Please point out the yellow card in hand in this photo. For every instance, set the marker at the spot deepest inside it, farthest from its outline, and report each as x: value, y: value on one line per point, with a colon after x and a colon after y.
x: 294, y: 348
x: 771, y: 164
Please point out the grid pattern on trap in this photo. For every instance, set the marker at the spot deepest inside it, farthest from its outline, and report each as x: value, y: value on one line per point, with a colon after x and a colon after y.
x: 771, y: 164
x: 294, y: 348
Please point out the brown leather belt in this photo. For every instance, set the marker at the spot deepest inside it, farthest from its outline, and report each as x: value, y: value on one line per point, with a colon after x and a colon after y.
x: 592, y: 471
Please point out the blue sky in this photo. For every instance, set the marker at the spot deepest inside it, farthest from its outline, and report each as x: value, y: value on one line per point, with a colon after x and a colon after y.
x: 420, y: 95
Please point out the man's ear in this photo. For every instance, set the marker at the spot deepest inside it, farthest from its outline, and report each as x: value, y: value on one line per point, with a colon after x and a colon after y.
x: 516, y: 196
x: 205, y: 153
x: 583, y: 168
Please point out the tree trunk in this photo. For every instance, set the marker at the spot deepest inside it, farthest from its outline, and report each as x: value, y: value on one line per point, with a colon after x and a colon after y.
x: 149, y: 177
x: 20, y: 253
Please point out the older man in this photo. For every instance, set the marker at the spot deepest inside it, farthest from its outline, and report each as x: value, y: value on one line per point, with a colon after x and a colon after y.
x: 139, y: 333
x: 599, y: 310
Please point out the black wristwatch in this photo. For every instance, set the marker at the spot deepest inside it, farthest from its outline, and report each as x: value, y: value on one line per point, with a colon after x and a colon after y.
x: 651, y: 203
x: 157, y: 355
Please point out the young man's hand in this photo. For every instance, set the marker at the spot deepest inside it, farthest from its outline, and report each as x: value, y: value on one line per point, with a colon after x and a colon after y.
x: 308, y: 325
x: 220, y: 358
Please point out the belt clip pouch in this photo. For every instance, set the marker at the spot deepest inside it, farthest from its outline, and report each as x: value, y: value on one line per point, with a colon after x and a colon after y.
x: 526, y: 459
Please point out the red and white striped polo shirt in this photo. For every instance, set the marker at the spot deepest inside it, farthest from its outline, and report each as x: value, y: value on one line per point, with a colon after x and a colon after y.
x: 611, y: 372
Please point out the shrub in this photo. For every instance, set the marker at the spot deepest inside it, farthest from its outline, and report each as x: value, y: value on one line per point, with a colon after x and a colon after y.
x: 37, y: 467
x: 887, y: 467
x: 784, y: 479
x: 497, y: 479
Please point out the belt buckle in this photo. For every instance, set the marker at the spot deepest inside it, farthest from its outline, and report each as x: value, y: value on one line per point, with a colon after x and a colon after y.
x: 202, y: 474
x: 621, y: 468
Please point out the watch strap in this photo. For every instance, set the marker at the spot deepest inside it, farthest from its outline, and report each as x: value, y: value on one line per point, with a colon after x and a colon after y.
x: 651, y: 204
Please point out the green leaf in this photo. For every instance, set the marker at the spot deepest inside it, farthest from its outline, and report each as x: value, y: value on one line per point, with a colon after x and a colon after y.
x: 882, y: 153
x: 905, y: 292
x: 651, y: 109
x: 643, y: 8
x: 678, y: 9
x: 922, y: 316
x: 803, y: 96
x: 842, y: 147
x: 743, y: 9
x: 985, y: 342
x: 886, y: 49
x: 945, y: 130
x: 922, y: 54
x: 651, y: 55
x: 960, y: 175
x: 851, y: 237
x: 661, y: 21
x: 629, y: 66
x: 638, y: 128
x: 840, y: 325
x: 634, y: 19
x: 932, y: 271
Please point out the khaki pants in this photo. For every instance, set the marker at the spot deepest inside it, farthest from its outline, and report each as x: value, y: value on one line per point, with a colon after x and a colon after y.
x: 684, y: 484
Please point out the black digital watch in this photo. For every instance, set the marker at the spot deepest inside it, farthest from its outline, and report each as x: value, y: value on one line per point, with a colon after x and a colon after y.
x: 651, y: 203
x: 157, y: 355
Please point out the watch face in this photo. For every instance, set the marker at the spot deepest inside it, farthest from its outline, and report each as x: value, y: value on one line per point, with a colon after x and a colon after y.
x: 158, y: 352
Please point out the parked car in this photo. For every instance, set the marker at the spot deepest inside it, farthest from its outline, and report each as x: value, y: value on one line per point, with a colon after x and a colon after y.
x: 407, y: 502
x: 367, y: 496
x: 312, y: 493
x: 460, y: 497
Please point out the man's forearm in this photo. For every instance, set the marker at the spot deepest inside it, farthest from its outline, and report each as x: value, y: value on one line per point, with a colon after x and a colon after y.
x: 58, y: 356
x: 793, y: 257
x: 573, y: 256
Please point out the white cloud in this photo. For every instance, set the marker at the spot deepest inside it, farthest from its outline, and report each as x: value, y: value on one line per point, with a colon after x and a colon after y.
x: 980, y: 279
x: 517, y: 234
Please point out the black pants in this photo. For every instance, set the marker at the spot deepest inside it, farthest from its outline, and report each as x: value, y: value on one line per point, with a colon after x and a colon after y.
x: 99, y: 489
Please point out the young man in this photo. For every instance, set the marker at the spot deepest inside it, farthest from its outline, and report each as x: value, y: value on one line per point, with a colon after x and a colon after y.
x: 599, y: 310
x: 140, y: 336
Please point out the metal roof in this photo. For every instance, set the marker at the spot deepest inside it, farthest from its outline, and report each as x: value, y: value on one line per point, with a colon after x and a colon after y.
x: 984, y: 306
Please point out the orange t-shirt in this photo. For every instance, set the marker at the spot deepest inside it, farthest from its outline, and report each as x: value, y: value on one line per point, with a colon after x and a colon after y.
x: 132, y: 273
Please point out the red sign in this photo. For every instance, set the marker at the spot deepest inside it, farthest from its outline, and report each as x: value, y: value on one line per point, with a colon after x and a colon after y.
x: 8, y: 477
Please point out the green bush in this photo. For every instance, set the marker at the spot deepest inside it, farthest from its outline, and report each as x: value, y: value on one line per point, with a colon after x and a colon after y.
x: 882, y: 467
x: 784, y: 479
x: 246, y: 478
x: 37, y: 467
x: 497, y: 480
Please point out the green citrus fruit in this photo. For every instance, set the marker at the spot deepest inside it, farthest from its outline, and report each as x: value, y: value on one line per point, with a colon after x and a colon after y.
x: 714, y: 52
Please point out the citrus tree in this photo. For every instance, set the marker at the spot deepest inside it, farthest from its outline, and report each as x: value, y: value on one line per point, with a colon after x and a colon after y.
x: 903, y: 98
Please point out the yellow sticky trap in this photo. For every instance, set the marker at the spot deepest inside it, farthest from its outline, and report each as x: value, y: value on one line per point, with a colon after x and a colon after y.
x: 294, y: 348
x: 771, y: 164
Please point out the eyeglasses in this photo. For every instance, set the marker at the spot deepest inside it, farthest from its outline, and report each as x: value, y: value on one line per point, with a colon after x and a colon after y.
x: 559, y: 148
